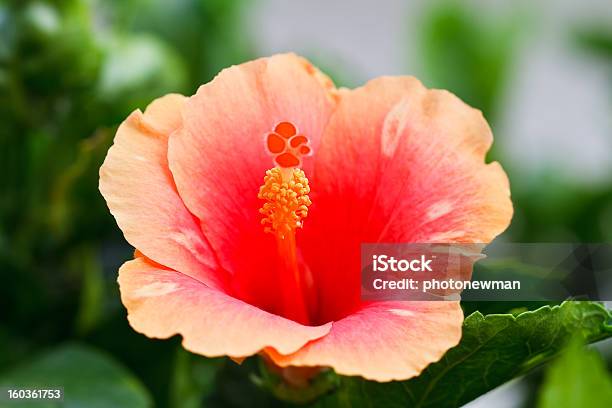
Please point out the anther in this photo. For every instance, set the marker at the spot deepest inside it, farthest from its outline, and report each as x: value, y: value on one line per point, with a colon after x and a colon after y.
x: 285, y: 192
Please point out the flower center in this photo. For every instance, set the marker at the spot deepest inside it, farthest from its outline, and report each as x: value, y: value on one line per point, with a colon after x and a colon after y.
x: 285, y: 195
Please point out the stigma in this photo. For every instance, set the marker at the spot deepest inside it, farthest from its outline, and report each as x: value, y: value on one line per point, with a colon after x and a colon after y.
x: 285, y: 194
x: 287, y: 145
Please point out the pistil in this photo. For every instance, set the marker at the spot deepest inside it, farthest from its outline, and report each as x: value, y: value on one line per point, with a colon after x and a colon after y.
x: 285, y: 192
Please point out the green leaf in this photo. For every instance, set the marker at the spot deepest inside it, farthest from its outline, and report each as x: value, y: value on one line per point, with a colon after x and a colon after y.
x: 89, y: 378
x: 577, y: 379
x: 493, y: 349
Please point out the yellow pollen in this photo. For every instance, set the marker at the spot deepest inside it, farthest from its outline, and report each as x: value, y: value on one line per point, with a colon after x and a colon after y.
x: 285, y: 192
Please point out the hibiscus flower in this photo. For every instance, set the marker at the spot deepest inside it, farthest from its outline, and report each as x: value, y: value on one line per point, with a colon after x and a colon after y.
x: 248, y: 201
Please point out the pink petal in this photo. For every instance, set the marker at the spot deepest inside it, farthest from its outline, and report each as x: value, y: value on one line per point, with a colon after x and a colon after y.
x: 162, y: 303
x: 140, y: 193
x: 398, y: 163
x: 412, y: 161
x: 384, y: 341
x: 220, y: 157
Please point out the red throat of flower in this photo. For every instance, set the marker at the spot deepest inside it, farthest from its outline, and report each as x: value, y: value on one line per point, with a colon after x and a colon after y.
x: 285, y: 194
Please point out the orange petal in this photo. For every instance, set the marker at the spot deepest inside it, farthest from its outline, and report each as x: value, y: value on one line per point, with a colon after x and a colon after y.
x: 140, y: 193
x: 162, y: 303
x: 384, y: 341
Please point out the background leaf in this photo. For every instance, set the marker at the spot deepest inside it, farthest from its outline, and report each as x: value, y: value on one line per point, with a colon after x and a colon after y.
x: 193, y: 379
x: 89, y: 377
x: 577, y: 379
x: 467, y: 53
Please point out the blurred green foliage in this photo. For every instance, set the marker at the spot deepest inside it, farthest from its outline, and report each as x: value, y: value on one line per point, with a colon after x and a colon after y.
x: 103, y: 384
x: 596, y: 39
x: 209, y: 36
x: 70, y: 71
x: 470, y: 52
